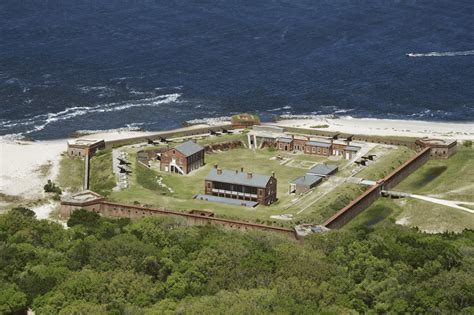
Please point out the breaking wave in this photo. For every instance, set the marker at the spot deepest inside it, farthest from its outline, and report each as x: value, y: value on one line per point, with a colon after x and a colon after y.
x: 443, y: 54
x: 39, y: 122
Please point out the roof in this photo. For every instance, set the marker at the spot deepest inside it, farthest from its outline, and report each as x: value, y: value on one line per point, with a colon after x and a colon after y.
x: 323, y: 169
x: 84, y: 142
x: 189, y: 148
x: 282, y: 139
x: 352, y: 148
x: 307, y: 180
x: 319, y: 144
x: 239, y: 178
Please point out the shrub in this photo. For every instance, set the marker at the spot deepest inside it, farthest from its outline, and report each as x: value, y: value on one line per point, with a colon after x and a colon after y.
x: 467, y: 143
x: 51, y: 187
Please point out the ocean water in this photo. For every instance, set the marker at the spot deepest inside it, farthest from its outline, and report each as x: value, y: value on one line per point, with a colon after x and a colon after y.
x: 68, y: 65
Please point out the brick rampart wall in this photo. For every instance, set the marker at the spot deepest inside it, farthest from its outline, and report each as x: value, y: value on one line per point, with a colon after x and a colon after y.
x: 356, y: 206
x: 404, y: 170
x: 117, y: 210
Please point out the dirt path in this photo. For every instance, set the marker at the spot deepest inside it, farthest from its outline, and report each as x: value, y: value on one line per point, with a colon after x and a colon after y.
x: 444, y: 202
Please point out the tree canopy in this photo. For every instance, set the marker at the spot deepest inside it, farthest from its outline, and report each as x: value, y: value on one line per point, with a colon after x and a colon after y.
x: 157, y: 265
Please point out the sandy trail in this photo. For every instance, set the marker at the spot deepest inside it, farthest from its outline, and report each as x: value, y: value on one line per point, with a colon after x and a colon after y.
x: 448, y: 203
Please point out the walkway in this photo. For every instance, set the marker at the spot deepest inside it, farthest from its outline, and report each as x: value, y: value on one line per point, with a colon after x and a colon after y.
x: 448, y: 203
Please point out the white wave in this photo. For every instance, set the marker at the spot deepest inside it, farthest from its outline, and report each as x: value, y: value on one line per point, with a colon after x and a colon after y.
x: 41, y: 121
x: 209, y: 120
x: 11, y: 137
x: 128, y: 127
x: 443, y: 54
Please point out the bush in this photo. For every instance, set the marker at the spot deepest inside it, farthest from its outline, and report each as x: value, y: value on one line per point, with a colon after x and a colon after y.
x: 467, y: 143
x: 51, y: 187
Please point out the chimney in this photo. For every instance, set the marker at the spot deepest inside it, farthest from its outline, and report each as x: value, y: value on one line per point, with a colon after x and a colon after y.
x: 219, y: 171
x: 242, y: 169
x: 249, y: 175
x: 215, y: 165
x: 273, y: 174
x: 308, y: 138
x: 292, y: 137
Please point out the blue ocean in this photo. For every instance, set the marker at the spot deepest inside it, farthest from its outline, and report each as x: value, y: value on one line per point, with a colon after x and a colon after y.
x: 68, y: 65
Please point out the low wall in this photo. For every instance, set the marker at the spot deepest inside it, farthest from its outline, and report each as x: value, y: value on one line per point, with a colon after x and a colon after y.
x: 118, y: 210
x: 404, y: 170
x: 356, y: 206
x: 182, y: 132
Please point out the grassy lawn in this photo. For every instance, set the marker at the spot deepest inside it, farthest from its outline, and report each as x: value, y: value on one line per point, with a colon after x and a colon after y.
x: 451, y: 179
x: 144, y: 189
x: 71, y: 173
x: 387, y: 163
x: 102, y: 178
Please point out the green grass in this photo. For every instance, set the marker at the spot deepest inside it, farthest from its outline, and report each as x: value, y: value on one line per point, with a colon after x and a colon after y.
x: 330, y: 204
x: 71, y: 173
x: 102, y: 178
x: 379, y: 211
x: 387, y: 163
x: 451, y: 179
x: 144, y: 190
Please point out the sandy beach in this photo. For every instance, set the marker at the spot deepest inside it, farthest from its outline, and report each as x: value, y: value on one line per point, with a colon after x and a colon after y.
x: 385, y: 127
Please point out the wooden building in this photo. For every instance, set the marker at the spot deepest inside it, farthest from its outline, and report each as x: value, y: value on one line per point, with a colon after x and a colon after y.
x: 183, y: 158
x: 241, y: 185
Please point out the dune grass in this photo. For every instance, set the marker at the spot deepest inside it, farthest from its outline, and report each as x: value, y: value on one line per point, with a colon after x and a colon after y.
x: 71, y: 173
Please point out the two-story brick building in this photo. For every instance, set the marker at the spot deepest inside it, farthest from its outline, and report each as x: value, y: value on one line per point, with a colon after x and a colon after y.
x: 241, y: 185
x: 183, y: 158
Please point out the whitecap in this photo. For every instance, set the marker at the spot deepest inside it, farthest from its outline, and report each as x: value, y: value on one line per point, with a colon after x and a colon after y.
x: 442, y: 54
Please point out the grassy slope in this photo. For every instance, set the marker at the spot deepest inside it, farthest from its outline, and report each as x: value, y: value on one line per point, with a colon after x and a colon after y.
x: 71, y: 173
x: 102, y: 178
x: 385, y: 165
x: 449, y: 179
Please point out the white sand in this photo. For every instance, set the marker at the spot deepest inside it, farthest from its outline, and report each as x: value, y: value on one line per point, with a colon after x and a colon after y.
x: 19, y: 166
x: 386, y: 127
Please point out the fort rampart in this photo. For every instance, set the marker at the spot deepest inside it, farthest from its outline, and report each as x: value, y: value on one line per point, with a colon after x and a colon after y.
x: 118, y: 210
x: 390, y: 140
x: 356, y: 206
x: 181, y: 132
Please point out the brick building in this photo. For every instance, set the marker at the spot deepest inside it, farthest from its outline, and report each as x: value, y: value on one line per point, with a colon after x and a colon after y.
x: 83, y: 147
x: 440, y: 148
x: 183, y: 158
x: 241, y: 185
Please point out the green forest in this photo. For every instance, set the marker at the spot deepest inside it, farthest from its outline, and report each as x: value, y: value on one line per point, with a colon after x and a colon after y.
x: 158, y: 265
